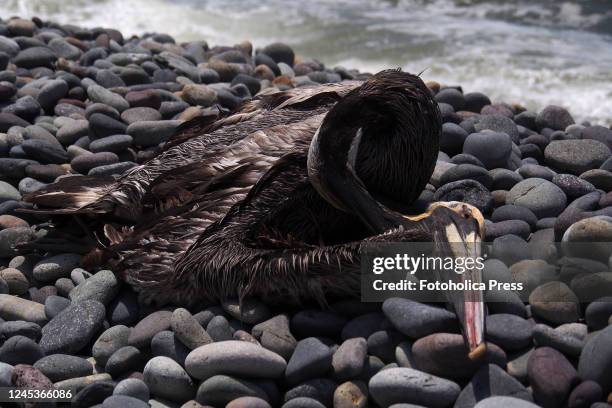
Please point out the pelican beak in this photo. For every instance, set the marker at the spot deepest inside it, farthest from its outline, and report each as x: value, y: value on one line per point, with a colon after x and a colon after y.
x: 459, y: 229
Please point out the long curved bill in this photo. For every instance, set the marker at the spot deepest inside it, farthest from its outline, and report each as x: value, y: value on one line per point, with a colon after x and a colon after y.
x: 462, y: 230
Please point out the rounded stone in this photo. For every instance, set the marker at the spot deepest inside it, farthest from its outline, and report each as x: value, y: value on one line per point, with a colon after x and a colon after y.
x: 188, y: 330
x: 551, y: 377
x: 514, y: 212
x: 140, y: 114
x: 274, y: 335
x: 103, y: 287
x: 576, y: 156
x: 348, y: 360
x: 15, y: 308
x: 417, y: 320
x: 468, y: 191
x: 220, y: 390
x: 585, y: 395
x: 506, y: 402
x: 572, y: 186
x: 491, y: 148
x: 84, y: 163
x: 514, y: 227
x: 44, y: 151
x: 59, y: 367
x: 498, y: 123
x: 123, y: 401
x: 165, y: 343
x: 310, y: 359
x: 545, y: 336
x: 54, y: 305
x: 110, y: 341
x: 452, y: 97
x: 35, y: 57
x: 115, y: 144
x: 509, y: 331
x: 601, y: 179
x: 467, y: 172
x: 124, y: 309
x: 280, y: 52
x: 351, y: 394
x: 596, y: 360
x: 540, y: 196
x: 491, y: 380
x: 93, y: 394
x: 196, y: 94
x: 536, y: 171
x: 20, y: 350
x: 248, y: 402
x: 126, y: 359
x: 319, y: 389
x: 167, y: 379
x: 152, y: 133
x: 598, y: 312
x: 142, y: 334
x: 475, y: 101
x: 55, y: 267
x: 19, y: 328
x: 26, y: 376
x: 133, y: 387
x: 446, y: 355
x: 71, y: 330
x: 96, y: 93
x: 555, y: 302
x: 554, y: 117
x: 406, y: 385
x: 17, y: 282
x: 234, y: 358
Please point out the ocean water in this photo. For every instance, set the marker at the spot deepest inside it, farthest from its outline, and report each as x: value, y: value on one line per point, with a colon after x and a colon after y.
x: 534, y: 52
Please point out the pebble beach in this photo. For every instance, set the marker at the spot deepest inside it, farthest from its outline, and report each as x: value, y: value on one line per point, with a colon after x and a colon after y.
x: 77, y: 101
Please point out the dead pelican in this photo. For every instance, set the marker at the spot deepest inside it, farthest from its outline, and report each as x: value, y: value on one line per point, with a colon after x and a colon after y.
x: 278, y: 199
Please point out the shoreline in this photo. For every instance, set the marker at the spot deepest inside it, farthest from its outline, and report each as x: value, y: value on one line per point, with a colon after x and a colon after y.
x: 77, y: 102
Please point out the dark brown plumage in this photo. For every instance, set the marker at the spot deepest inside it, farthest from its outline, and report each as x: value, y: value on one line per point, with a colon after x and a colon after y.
x: 167, y: 203
x: 276, y: 200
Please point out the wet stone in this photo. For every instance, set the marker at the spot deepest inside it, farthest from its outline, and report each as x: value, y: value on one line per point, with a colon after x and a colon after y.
x: 468, y: 191
x: 166, y: 343
x: 139, y: 114
x: 545, y: 336
x: 576, y: 156
x: 167, y: 379
x: 445, y: 355
x: 133, y: 387
x: 20, y: 350
x: 274, y: 335
x: 492, y: 149
x: 58, y: 367
x: 143, y: 332
x: 188, y: 330
x: 554, y: 117
x: 72, y: 329
x: 490, y: 380
x: 540, y: 196
x: 509, y: 331
x: 406, y: 385
x: 221, y: 358
x: 84, y: 163
x: 551, y: 377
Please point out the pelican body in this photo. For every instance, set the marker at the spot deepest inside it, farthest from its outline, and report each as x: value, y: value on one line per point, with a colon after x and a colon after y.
x: 278, y: 199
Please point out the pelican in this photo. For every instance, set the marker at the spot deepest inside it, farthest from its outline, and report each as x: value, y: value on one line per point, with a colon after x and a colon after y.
x: 279, y: 199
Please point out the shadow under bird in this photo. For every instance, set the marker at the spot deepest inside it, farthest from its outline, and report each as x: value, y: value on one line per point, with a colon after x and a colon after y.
x: 279, y: 199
